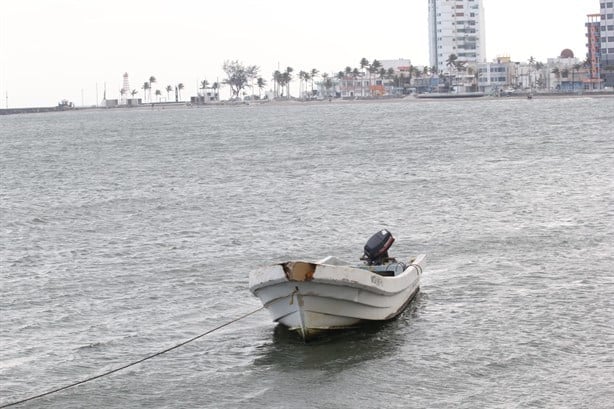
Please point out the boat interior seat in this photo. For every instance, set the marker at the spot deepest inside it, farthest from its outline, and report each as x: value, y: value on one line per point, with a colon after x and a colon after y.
x: 388, y: 270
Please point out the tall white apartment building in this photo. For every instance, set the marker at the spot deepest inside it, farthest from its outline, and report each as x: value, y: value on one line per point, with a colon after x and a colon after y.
x: 456, y: 27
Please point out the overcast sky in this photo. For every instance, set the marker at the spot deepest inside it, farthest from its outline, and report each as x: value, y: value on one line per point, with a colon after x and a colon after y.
x: 67, y: 49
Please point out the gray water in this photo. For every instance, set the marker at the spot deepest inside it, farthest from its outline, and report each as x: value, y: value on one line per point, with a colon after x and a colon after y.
x: 125, y: 232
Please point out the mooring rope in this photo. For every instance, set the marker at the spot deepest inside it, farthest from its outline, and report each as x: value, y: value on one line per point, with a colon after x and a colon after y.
x: 130, y: 364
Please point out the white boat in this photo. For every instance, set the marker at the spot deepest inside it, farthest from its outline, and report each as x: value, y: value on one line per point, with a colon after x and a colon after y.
x: 313, y: 297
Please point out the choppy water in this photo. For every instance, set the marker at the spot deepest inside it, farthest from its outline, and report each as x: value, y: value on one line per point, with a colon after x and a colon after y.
x: 125, y: 232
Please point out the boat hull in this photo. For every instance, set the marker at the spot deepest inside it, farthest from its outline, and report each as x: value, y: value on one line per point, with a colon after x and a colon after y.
x: 312, y: 298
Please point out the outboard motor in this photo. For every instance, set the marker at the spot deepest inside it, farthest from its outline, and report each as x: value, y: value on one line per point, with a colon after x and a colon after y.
x: 376, y: 249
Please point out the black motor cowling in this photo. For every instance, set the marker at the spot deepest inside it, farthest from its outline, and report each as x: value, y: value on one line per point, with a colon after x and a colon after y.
x: 376, y: 249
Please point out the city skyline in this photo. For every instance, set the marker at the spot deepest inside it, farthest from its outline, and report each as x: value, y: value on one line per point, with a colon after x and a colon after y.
x: 70, y: 49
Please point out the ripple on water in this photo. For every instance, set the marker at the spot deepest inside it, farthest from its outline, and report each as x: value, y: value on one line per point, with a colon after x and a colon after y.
x: 125, y: 232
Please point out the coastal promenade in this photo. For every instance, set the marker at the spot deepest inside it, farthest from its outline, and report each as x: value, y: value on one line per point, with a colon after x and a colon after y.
x: 188, y: 105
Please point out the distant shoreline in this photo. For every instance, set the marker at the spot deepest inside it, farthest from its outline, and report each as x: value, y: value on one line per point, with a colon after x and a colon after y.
x: 187, y: 105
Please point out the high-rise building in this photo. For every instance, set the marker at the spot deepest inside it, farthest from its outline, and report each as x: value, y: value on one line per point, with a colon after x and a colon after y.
x: 593, y: 44
x: 607, y: 42
x: 456, y: 27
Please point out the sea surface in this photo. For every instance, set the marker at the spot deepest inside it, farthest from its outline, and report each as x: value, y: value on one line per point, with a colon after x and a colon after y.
x: 125, y: 232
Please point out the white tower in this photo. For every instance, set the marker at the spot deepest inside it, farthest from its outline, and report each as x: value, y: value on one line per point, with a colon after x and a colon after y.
x: 125, y: 89
x: 456, y: 27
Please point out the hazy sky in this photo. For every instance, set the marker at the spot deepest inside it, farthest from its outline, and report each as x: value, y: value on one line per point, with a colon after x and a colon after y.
x: 66, y: 49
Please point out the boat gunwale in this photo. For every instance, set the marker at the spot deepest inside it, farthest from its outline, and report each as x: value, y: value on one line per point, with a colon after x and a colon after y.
x: 370, y: 281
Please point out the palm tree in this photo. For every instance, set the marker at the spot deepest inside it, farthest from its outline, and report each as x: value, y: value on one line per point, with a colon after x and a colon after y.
x: 301, y: 77
x: 373, y: 69
x: 204, y: 84
x: 261, y: 84
x: 575, y: 68
x: 328, y: 83
x: 168, y: 92
x: 363, y: 64
x: 539, y: 66
x: 276, y: 82
x: 288, y: 78
x: 122, y: 92
x: 557, y: 74
x: 307, y: 79
x: 216, y: 86
x: 417, y: 72
x: 314, y: 73
x: 565, y: 74
x: 531, y: 68
x: 152, y: 79
x: 180, y: 86
x: 355, y: 75
x: 146, y: 87
x: 348, y: 76
x: 133, y: 93
x: 451, y: 63
x: 158, y: 94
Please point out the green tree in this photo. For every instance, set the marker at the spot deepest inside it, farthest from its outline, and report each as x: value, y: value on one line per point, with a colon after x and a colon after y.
x: 238, y: 75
